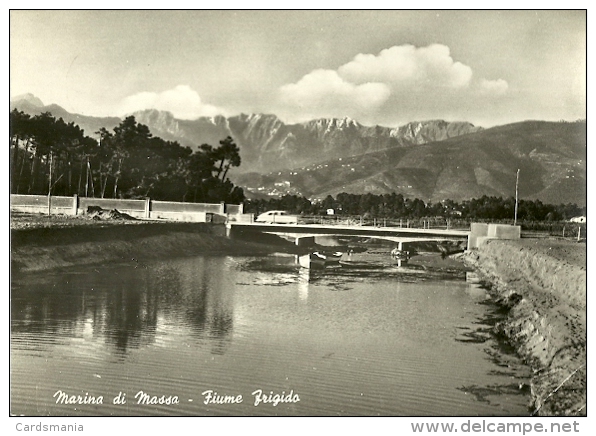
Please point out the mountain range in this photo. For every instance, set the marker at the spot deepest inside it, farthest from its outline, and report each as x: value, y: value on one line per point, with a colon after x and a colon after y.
x: 431, y: 160
x: 551, y: 158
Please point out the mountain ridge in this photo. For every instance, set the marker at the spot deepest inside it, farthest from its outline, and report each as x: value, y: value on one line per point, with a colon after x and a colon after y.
x: 420, y: 159
x: 266, y: 142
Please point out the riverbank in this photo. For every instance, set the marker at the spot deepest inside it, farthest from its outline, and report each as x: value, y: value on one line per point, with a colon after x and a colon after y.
x: 543, y: 284
x: 40, y: 242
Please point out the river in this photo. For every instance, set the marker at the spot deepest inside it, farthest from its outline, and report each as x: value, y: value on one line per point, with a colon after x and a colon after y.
x: 374, y: 339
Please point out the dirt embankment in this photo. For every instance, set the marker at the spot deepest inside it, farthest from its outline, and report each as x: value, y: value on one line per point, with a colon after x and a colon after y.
x: 543, y: 282
x: 40, y: 243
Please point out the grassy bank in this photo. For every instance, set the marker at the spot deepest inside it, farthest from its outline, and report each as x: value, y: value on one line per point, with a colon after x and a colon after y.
x: 543, y: 283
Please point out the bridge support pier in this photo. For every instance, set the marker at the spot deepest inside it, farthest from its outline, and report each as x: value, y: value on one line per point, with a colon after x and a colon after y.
x: 307, y: 240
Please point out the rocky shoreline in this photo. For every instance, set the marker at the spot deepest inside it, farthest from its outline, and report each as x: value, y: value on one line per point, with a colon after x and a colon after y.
x: 543, y: 284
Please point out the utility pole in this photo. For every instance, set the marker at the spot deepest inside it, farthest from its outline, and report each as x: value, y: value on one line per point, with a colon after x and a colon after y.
x: 516, y: 186
x: 50, y: 186
x: 87, y: 180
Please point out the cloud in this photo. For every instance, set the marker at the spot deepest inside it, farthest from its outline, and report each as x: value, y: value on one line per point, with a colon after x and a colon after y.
x: 422, y: 81
x: 182, y: 101
x: 324, y: 92
x: 408, y: 65
x: 494, y: 87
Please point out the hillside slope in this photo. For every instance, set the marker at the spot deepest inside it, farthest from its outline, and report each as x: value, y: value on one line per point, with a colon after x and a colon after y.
x: 551, y: 158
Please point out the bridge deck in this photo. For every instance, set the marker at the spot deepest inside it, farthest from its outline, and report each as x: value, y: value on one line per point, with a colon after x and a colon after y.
x: 322, y: 229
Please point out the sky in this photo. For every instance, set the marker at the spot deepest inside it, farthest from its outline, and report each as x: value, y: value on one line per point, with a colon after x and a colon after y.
x: 385, y: 67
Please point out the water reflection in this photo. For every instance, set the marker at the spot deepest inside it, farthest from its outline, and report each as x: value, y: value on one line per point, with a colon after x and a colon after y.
x: 127, y: 307
x: 303, y: 284
x: 69, y: 305
x: 207, y: 306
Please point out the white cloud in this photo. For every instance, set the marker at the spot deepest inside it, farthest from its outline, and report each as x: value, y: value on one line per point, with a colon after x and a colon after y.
x: 182, y: 101
x: 408, y: 65
x: 425, y: 82
x: 325, y: 93
x: 493, y: 87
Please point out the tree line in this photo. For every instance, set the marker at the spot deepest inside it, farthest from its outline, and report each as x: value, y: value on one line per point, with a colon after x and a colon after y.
x: 50, y: 156
x: 395, y: 206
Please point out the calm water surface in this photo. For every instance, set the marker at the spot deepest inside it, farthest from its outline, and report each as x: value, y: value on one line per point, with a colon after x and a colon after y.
x: 371, y: 340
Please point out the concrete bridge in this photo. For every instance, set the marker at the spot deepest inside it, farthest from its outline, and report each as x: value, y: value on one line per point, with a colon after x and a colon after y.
x: 306, y: 233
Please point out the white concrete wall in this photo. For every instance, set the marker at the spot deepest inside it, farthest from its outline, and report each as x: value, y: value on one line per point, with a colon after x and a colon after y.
x: 242, y: 218
x: 166, y: 210
x: 479, y: 229
x: 43, y: 209
x: 196, y: 217
x: 502, y: 231
x: 480, y: 232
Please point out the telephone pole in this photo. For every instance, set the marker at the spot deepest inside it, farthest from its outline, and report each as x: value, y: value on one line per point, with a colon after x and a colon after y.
x: 50, y: 185
x: 516, y: 186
